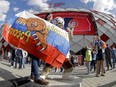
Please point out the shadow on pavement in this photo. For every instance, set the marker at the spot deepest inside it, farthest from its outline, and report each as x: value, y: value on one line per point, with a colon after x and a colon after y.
x: 6, y: 74
x: 5, y: 64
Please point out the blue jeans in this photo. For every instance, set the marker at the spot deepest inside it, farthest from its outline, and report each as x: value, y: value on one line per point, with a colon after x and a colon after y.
x: 12, y: 61
x: 114, y: 61
x: 35, y: 67
x: 23, y: 62
x: 20, y: 62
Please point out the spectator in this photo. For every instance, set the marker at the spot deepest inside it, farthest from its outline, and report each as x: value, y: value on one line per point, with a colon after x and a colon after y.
x: 108, y: 57
x: 9, y: 55
x: 88, y: 59
x: 24, y: 56
x: 12, y: 58
x: 49, y: 17
x: 99, y: 45
x: 18, y: 54
x: 114, y: 55
x: 93, y: 62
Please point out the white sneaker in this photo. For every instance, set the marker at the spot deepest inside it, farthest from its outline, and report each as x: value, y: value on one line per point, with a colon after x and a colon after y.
x: 42, y: 76
x: 11, y: 66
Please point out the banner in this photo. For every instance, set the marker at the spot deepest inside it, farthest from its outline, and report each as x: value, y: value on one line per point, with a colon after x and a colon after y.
x: 83, y: 22
x: 38, y: 37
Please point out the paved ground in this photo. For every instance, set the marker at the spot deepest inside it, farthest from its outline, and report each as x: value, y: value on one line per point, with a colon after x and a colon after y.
x: 109, y: 80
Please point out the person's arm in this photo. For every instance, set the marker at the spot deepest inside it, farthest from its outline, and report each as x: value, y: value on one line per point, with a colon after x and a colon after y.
x: 70, y: 32
x: 16, y: 53
x: 26, y: 54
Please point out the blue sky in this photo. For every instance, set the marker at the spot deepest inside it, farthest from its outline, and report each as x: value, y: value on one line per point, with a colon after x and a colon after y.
x: 10, y: 7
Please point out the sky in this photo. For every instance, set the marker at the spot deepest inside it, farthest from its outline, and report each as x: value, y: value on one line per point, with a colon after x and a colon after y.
x: 8, y: 8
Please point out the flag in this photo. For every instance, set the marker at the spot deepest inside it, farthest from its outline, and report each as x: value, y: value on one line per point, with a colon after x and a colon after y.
x: 38, y: 37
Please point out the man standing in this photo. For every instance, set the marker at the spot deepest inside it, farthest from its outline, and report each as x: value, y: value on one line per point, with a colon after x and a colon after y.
x: 108, y: 57
x: 99, y: 45
x: 88, y: 58
x: 114, y: 55
x: 19, y: 56
x: 24, y: 56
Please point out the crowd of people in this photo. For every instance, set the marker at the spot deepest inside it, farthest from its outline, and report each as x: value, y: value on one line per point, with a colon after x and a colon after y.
x: 99, y: 57
x: 95, y: 58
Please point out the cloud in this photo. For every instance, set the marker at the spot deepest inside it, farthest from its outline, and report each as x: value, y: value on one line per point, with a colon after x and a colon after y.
x: 4, y: 7
x: 102, y: 5
x: 2, y: 17
x: 15, y: 9
x: 39, y: 4
x: 32, y: 11
x: 86, y: 1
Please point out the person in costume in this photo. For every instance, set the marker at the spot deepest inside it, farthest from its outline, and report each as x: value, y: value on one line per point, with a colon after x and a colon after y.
x: 67, y: 65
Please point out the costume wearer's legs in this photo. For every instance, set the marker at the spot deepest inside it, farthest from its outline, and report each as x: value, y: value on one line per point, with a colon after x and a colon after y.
x: 68, y: 68
x: 46, y: 70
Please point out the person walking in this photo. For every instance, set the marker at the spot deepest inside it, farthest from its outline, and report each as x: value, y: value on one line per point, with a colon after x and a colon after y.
x: 67, y: 65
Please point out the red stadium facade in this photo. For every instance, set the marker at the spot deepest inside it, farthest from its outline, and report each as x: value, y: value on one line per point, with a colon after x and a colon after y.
x: 83, y: 21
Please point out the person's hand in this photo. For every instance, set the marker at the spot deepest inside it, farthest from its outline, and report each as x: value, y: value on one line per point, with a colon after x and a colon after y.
x: 71, y: 26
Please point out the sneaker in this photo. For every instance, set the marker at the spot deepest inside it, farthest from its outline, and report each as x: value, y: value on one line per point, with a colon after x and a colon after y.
x: 11, y: 66
x: 43, y: 76
x: 41, y: 81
